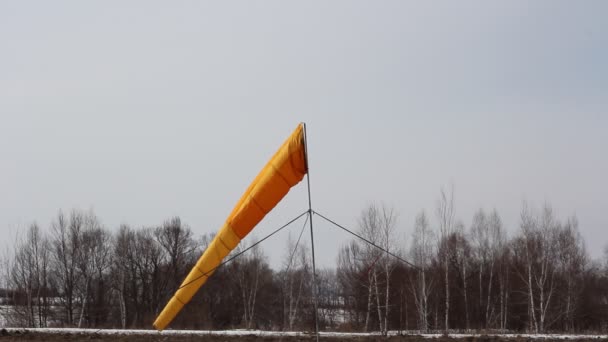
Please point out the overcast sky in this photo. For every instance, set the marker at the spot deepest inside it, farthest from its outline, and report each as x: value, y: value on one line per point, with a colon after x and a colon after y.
x: 143, y: 110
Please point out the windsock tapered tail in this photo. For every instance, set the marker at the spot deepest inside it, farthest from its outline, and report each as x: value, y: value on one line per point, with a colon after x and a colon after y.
x: 286, y: 169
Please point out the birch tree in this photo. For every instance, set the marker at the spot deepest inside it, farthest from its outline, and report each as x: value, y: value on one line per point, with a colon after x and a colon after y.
x: 120, y: 270
x: 92, y: 256
x: 504, y: 270
x: 479, y: 235
x: 497, y: 241
x: 296, y: 276
x: 572, y: 263
x: 545, y: 277
x: 249, y: 275
x: 538, y: 246
x: 388, y: 221
x: 463, y: 256
x: 370, y: 229
x: 377, y: 224
x: 445, y: 216
x: 30, y: 280
x: 422, y: 253
x: 526, y: 249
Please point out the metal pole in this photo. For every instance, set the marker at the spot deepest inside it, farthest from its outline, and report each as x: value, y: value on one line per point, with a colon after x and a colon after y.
x: 312, y: 240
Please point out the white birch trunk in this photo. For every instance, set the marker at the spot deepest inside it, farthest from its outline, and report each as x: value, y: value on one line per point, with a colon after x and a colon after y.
x: 447, y: 295
x: 369, y: 303
x: 489, y: 295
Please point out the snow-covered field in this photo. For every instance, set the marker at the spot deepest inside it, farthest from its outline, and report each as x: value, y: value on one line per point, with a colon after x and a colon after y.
x: 277, y: 334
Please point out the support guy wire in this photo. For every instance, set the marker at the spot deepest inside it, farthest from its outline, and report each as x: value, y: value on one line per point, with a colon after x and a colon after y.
x: 367, y: 241
x: 246, y: 249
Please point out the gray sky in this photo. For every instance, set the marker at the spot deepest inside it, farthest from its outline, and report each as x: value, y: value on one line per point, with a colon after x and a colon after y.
x: 142, y: 110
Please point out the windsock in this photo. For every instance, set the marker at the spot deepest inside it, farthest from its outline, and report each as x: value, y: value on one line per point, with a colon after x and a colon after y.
x: 284, y: 170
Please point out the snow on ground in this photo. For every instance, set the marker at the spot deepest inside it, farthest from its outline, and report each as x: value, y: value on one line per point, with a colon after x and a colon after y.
x: 243, y: 332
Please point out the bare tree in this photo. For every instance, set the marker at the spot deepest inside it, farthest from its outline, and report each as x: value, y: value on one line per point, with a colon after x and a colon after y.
x: 80, y: 274
x: 249, y: 274
x: 445, y: 216
x: 94, y: 260
x: 176, y: 240
x: 370, y: 229
x: 496, y: 241
x: 388, y: 221
x: 480, y: 233
x: 92, y: 255
x: 377, y: 224
x: 352, y: 277
x: 538, y: 246
x: 422, y: 253
x: 488, y: 235
x: 65, y: 251
x: 102, y: 262
x: 528, y: 227
x: 6, y: 262
x: 120, y: 270
x: 572, y: 263
x: 30, y: 279
x: 504, y: 270
x: 463, y: 256
x: 545, y: 277
x: 329, y: 301
x: 148, y: 259
x: 295, y: 280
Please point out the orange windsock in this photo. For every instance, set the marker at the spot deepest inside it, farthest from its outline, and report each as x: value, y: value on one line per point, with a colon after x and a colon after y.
x: 286, y: 169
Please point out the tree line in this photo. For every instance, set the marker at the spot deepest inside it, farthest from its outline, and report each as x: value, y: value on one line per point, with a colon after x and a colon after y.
x: 79, y: 273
